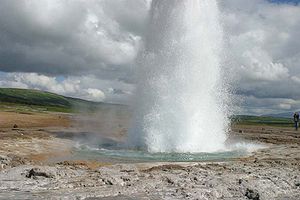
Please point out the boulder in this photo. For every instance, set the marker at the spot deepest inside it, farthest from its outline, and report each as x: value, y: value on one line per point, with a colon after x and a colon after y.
x: 36, y: 172
x: 252, y: 194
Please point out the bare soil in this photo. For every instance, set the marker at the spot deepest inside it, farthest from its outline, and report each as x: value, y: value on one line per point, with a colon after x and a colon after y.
x: 29, y: 140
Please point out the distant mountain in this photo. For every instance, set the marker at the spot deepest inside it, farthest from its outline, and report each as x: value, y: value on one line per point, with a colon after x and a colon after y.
x: 50, y: 101
x: 282, y: 115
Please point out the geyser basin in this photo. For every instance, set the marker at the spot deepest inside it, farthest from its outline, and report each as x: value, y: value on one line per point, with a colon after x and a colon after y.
x: 115, y: 150
x: 117, y: 154
x: 143, y: 156
x: 181, y: 99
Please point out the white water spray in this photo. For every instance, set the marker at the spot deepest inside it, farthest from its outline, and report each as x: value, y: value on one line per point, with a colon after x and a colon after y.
x: 180, y: 100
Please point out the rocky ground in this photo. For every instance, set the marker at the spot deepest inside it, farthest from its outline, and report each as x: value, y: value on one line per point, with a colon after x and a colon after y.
x: 26, y: 173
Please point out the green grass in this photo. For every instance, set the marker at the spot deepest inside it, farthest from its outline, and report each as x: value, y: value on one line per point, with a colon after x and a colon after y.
x: 33, y: 100
x: 264, y: 121
x: 26, y: 100
x: 26, y: 108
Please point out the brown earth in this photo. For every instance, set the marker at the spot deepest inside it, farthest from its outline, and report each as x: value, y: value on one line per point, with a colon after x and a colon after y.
x: 36, y: 137
x: 27, y: 136
x: 33, y: 120
x: 269, y: 173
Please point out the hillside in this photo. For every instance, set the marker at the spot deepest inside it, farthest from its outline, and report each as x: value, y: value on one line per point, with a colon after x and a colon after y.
x: 27, y: 99
x: 282, y: 115
x: 262, y: 120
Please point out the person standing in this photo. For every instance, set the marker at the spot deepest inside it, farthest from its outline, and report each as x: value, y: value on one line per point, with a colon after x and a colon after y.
x: 296, y: 120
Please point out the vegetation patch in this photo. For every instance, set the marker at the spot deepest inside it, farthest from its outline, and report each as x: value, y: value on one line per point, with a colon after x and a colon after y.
x: 262, y: 120
x: 27, y: 100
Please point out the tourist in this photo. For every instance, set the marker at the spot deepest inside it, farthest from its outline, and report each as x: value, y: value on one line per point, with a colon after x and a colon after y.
x: 296, y: 120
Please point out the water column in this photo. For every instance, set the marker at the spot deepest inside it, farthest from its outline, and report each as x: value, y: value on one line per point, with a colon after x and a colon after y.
x: 179, y: 103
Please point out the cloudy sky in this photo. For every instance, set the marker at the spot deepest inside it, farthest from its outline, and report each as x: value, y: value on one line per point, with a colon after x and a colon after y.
x: 87, y: 48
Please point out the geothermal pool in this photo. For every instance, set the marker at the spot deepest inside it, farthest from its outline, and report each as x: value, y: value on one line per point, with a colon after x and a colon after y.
x: 115, y: 152
x: 125, y: 155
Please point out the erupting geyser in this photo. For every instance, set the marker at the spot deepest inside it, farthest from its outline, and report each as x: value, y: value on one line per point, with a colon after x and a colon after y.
x: 180, y: 98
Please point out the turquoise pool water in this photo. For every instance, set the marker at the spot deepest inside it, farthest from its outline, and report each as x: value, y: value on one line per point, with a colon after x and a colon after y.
x: 129, y: 155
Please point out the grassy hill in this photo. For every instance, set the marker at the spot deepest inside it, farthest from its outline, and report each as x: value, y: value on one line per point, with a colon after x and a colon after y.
x: 262, y: 120
x: 35, y: 100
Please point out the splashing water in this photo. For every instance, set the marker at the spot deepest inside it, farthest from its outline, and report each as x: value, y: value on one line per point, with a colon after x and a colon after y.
x: 180, y: 99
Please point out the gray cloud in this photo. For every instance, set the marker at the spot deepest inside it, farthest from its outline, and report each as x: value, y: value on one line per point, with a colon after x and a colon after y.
x: 95, y: 42
x: 264, y: 53
x: 69, y: 37
x: 86, y: 87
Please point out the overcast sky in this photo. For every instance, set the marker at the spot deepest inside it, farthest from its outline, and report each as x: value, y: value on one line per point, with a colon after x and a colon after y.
x: 87, y: 48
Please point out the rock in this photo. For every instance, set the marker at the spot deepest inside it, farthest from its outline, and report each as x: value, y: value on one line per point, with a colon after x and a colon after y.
x: 170, y: 181
x: 240, y: 181
x: 36, y: 172
x: 252, y: 194
x: 297, y: 184
x: 240, y: 131
x: 107, y: 182
x: 4, y: 162
x: 3, y: 158
x: 126, y: 179
x: 15, y: 126
x: 16, y: 160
